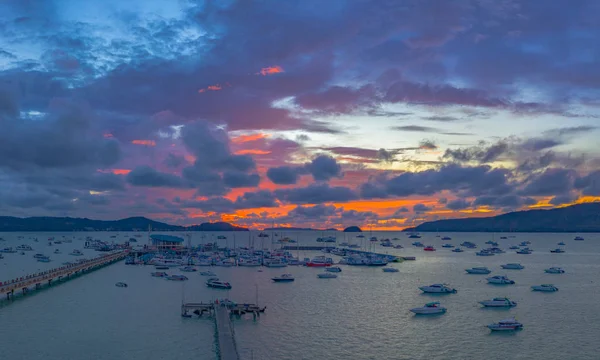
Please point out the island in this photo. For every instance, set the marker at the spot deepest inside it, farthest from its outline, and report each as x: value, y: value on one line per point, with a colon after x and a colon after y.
x: 352, y: 229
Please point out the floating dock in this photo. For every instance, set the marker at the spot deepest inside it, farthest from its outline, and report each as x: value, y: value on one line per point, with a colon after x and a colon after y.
x: 63, y: 273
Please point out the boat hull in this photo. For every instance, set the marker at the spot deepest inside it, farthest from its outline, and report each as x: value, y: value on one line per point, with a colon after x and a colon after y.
x: 420, y: 311
x: 282, y: 280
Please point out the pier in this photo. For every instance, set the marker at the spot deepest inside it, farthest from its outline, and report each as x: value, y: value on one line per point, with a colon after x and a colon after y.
x: 63, y: 273
x: 306, y: 248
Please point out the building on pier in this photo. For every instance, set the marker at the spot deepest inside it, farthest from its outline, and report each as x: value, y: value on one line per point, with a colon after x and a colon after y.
x: 167, y: 242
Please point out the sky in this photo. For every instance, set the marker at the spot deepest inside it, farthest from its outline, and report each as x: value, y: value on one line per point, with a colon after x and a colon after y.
x: 382, y: 114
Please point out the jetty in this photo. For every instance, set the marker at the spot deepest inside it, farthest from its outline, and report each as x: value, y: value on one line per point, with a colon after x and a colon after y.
x: 221, y: 313
x: 63, y: 273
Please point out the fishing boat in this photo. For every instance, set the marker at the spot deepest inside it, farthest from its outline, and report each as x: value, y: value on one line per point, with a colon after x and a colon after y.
x: 283, y: 278
x: 218, y: 284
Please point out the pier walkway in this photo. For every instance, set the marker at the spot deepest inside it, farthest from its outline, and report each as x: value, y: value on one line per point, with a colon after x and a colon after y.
x: 64, y: 272
x: 225, y: 334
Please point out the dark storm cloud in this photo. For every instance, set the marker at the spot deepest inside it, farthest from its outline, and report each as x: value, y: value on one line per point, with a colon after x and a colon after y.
x: 421, y: 208
x: 503, y: 202
x: 235, y: 179
x: 174, y: 160
x: 324, y: 168
x: 147, y: 176
x: 551, y: 182
x: 458, y: 204
x: 248, y: 200
x: 589, y: 185
x: 563, y: 199
x: 284, y: 175
x: 315, y: 194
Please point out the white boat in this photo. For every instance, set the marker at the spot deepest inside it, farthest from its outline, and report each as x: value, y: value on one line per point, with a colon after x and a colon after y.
x: 457, y: 250
x: 544, y: 288
x: 76, y: 252
x: 506, y: 325
x: 478, y: 270
x: 326, y: 275
x: 430, y: 309
x: 525, y: 251
x: 447, y: 246
x: 437, y: 289
x: 512, y: 266
x: 562, y: 243
x: 390, y: 270
x: 334, y: 269
x: 24, y: 248
x: 554, y: 270
x: 500, y: 280
x: 498, y: 302
x: 217, y: 284
x: 283, y: 278
x: 275, y: 263
x: 484, y: 253
x: 207, y: 273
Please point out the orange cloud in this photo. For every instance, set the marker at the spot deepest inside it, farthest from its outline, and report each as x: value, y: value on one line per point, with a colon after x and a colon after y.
x: 247, y: 138
x: 144, y: 142
x: 115, y: 171
x: 252, y: 152
x: 270, y: 70
x: 215, y: 87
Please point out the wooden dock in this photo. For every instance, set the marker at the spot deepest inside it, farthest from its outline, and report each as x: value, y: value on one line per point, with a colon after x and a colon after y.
x: 65, y: 272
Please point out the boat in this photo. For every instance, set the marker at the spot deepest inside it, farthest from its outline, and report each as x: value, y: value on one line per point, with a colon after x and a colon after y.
x: 484, y: 253
x: 437, y: 289
x: 275, y: 263
x: 446, y: 238
x: 500, y: 280
x: 283, y: 278
x: 514, y: 247
x: 188, y: 269
x: 390, y: 270
x: 44, y: 259
x: 562, y: 243
x: 76, y: 252
x: 207, y: 273
x: 418, y: 244
x: 490, y: 242
x: 525, y: 251
x: 248, y: 262
x: 263, y: 235
x: 557, y: 251
x: 544, y: 288
x: 448, y: 246
x: 506, y: 325
x: 512, y: 266
x: 430, y: 309
x: 159, y: 274
x: 162, y: 267
x: 414, y: 236
x: 38, y: 256
x: 24, y: 248
x: 398, y: 246
x: 499, y: 302
x: 503, y: 238
x: 1, y: 256
x: 56, y: 251
x: 468, y: 244
x: 373, y: 238
x: 326, y: 275
x: 457, y: 250
x: 578, y: 238
x: 478, y: 270
x: 334, y: 269
x: 218, y: 284
x: 121, y: 284
x: 327, y: 239
x: 428, y: 248
x: 320, y: 261
x: 177, y: 278
x: 554, y: 270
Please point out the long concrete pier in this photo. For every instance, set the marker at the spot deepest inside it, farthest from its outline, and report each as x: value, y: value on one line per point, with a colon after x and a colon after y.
x: 225, y: 335
x: 37, y: 280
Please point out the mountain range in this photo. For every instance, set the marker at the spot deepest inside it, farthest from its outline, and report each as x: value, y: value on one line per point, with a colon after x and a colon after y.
x: 574, y: 218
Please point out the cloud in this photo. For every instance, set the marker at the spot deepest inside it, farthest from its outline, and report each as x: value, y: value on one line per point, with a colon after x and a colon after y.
x: 174, y: 160
x: 589, y: 185
x: 284, y: 175
x: 440, y: 118
x: 458, y: 204
x: 147, y: 176
x: 316, y: 194
x: 551, y: 182
x: 324, y: 168
x: 234, y: 179
x: 421, y: 208
x: 427, y: 129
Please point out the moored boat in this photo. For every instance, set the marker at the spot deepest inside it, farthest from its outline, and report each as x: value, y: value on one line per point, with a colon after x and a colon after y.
x: 121, y: 284
x: 218, y: 284
x: 207, y: 273
x: 506, y: 325
x: 512, y: 266
x: 429, y: 248
x: 478, y: 270
x: 334, y: 269
x: 557, y: 251
x: 326, y: 275
x: 159, y: 274
x: 177, y: 278
x: 457, y: 250
x: 498, y: 302
x: 554, y: 270
x: 283, y: 278
x: 390, y: 270
x: 500, y: 280
x: 544, y: 288
x: 438, y: 289
x: 430, y: 309
x: 320, y: 261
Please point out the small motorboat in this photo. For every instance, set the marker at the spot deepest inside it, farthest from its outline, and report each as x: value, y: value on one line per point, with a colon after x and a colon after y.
x: 437, y: 289
x: 56, y: 251
x: 514, y: 247
x: 161, y: 267
x: 428, y: 248
x: 484, y: 253
x: 457, y: 250
x: 430, y: 309
x: 207, y: 273
x: 121, y: 284
x: 478, y: 270
x: 177, y: 278
x: 398, y: 246
x: 544, y: 288
x: 557, y: 251
x: 525, y: 251
x: 500, y: 280
x: 76, y: 253
x: 326, y: 276
x: 218, y: 284
x: 447, y: 246
x: 446, y: 238
x: 578, y: 238
x: 390, y: 270
x: 37, y: 256
x: 498, y: 302
x: 159, y: 274
x: 283, y: 278
x: 188, y: 269
x: 562, y: 243
x: 44, y: 259
x: 512, y: 266
x: 334, y: 269
x: 414, y: 236
x: 506, y: 325
x: 417, y: 244
x: 490, y: 242
x: 554, y: 270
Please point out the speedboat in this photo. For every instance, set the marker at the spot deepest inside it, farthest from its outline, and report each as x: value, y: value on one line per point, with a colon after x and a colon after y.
x: 283, y: 278
x: 44, y: 259
x: 437, y: 289
x: 390, y: 270
x: 498, y: 302
x: 557, y: 251
x: 562, y: 243
x: 76, y: 253
x: 525, y: 251
x: 506, y: 325
x: 469, y: 245
x: 512, y: 266
x: 177, y: 278
x: 457, y: 250
x: 429, y: 248
x: 544, y: 288
x: 334, y: 269
x: 500, y: 280
x: 326, y: 276
x: 446, y: 238
x: 207, y: 273
x: 159, y: 274
x: 417, y: 244
x: 447, y: 246
x: 554, y: 270
x: 24, y: 248
x: 430, y: 309
x: 188, y: 269
x: 217, y: 284
x: 38, y: 256
x: 478, y: 270
x: 578, y: 238
x: 121, y: 284
x: 414, y: 236
x: 484, y: 253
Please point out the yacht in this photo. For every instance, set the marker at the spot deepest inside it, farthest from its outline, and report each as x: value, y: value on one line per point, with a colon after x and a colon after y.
x: 327, y: 275
x: 506, y: 325
x: 469, y: 245
x: 418, y: 244
x: 557, y: 251
x: 248, y: 262
x: 218, y: 284
x: 430, y: 309
x: 320, y: 261
x: 562, y: 243
x: 76, y: 252
x: 447, y: 246
x: 188, y: 269
x: 438, y: 289
x: 457, y: 250
x: 446, y: 238
x: 414, y: 236
x: 484, y: 253
x: 275, y: 263
x: 578, y: 238
x: 24, y: 248
x: 544, y: 288
x: 159, y: 274
x: 283, y: 278
x: 334, y: 269
x: 512, y: 266
x: 554, y: 270
x: 390, y: 270
x: 499, y: 302
x: 500, y: 280
x: 525, y: 251
x: 207, y: 273
x: 478, y: 270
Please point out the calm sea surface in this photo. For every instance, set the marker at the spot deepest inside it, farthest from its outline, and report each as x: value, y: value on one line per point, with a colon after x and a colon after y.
x: 363, y: 314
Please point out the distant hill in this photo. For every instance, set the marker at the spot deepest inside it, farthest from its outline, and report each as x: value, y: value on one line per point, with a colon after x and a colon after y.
x: 352, y: 229
x: 9, y: 223
x: 575, y: 218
